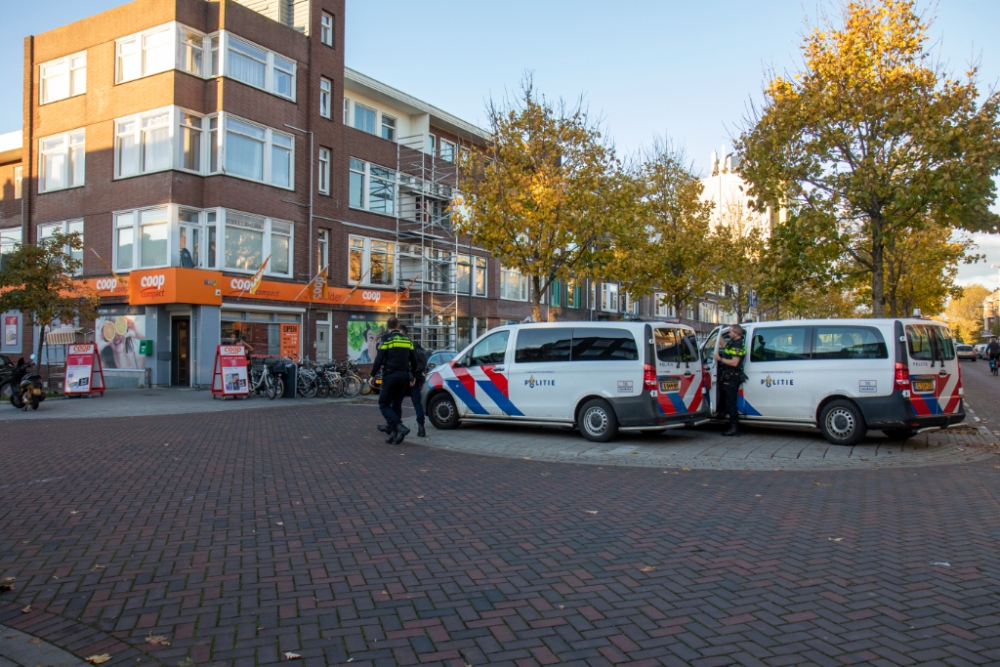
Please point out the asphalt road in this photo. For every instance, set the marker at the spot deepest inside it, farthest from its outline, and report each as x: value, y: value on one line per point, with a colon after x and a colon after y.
x: 982, y: 393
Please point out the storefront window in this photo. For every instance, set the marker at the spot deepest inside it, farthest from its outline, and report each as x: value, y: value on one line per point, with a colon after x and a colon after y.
x: 265, y: 334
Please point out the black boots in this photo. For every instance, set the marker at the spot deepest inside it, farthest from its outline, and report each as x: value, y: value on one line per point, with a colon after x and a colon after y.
x: 421, y: 431
x: 401, y: 432
x: 731, y: 431
x: 383, y: 428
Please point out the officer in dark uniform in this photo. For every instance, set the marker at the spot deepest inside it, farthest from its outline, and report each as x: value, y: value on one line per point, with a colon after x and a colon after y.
x: 730, y: 360
x: 397, y: 358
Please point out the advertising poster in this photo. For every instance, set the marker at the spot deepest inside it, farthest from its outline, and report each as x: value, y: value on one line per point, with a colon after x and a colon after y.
x: 118, y: 330
x: 79, y: 368
x: 364, y: 334
x: 233, y: 369
x: 290, y: 341
x: 11, y: 330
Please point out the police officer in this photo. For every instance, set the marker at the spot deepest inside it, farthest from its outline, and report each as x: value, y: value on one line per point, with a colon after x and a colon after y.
x: 416, y: 389
x: 396, y: 356
x: 730, y: 360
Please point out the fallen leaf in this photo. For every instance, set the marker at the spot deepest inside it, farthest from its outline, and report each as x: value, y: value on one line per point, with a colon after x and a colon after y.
x: 344, y: 463
x: 9, y: 578
x: 835, y: 539
x: 292, y: 656
x: 758, y: 496
x: 704, y: 484
x: 817, y: 484
x: 648, y: 568
x: 590, y: 511
x: 423, y: 470
x: 98, y: 659
x: 74, y: 512
x: 633, y: 452
x: 6, y: 587
x: 942, y: 564
x: 526, y: 458
x: 685, y: 468
x: 157, y: 640
x: 419, y: 496
x: 34, y: 640
x: 280, y: 523
x: 385, y: 592
x: 26, y: 610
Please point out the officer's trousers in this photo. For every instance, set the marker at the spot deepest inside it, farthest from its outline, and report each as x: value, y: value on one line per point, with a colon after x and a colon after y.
x: 395, y: 387
x: 729, y: 387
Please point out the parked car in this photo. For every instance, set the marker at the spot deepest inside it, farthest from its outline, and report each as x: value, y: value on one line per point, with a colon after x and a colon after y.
x: 899, y: 376
x: 965, y: 351
x: 980, y: 349
x: 439, y: 358
x: 601, y: 377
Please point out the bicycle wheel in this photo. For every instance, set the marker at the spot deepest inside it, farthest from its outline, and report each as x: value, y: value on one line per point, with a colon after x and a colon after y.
x: 336, y: 386
x: 270, y: 387
x: 307, y: 387
x: 352, y: 386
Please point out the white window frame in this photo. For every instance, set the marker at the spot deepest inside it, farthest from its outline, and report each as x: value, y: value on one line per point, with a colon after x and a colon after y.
x: 630, y: 306
x: 432, y: 144
x: 325, y: 97
x: 663, y: 309
x: 267, y: 250
x: 347, y: 110
x: 269, y: 133
x: 609, y: 297
x: 366, y: 179
x: 375, y: 123
x: 323, y: 165
x: 18, y: 182
x: 73, y: 65
x: 323, y: 251
x: 451, y: 152
x: 478, y: 266
x: 366, y: 250
x: 139, y: 40
x: 175, y: 142
x: 389, y: 128
x: 64, y: 226
x: 269, y: 65
x: 71, y: 140
x: 505, y: 281
x: 326, y: 26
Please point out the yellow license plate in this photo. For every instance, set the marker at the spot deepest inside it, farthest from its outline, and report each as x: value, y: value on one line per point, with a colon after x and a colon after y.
x: 923, y: 385
x: 670, y: 385
x: 36, y: 392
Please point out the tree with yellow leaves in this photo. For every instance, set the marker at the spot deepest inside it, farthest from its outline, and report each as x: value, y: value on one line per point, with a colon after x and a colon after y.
x: 547, y: 195
x: 965, y: 313
x: 871, y: 141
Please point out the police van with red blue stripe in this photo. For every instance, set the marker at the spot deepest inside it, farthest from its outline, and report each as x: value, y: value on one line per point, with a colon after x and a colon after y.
x: 899, y: 376
x: 600, y: 377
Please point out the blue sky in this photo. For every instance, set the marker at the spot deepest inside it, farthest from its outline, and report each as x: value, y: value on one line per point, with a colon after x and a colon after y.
x: 685, y: 69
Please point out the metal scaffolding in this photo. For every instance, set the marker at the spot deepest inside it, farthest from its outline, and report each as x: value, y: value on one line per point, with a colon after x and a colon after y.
x: 426, y: 245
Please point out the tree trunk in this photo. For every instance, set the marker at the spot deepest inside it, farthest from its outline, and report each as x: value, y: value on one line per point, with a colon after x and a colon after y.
x: 878, y: 272
x: 536, y: 298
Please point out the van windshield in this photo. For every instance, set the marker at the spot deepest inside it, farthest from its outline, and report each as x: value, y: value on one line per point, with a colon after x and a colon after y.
x: 672, y: 345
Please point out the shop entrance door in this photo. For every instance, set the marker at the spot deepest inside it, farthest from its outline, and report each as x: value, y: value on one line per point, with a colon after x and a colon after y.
x: 180, y: 352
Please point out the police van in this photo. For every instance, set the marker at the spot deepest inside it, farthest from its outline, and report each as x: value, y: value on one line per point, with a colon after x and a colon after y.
x: 899, y: 376
x: 602, y: 377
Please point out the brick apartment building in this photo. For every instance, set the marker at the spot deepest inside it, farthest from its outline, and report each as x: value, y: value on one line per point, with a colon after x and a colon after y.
x: 190, y: 141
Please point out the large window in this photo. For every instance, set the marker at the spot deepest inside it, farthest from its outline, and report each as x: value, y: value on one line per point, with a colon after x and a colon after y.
x: 513, y: 285
x: 9, y: 240
x: 258, y: 153
x: 447, y: 150
x: 325, y: 97
x: 62, y: 78
x: 323, y: 179
x: 663, y: 308
x: 326, y: 29
x: 142, y: 238
x: 357, y: 183
x: 143, y: 143
x: 927, y: 342
x: 847, y: 342
x: 609, y: 297
x: 574, y: 294
x: 372, y: 261
x: 471, y: 274
x: 372, y: 187
x: 540, y: 345
x: 364, y: 118
x: 779, y: 344
x: 250, y: 239
x: 62, y: 163
x: 49, y: 229
x: 175, y: 46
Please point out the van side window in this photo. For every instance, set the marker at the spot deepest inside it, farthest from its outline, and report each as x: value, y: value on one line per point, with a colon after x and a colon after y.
x: 672, y: 346
x: 490, y: 350
x: 778, y: 344
x: 918, y: 340
x: 535, y: 345
x: 844, y: 342
x: 599, y: 344
x: 708, y: 349
x: 941, y: 338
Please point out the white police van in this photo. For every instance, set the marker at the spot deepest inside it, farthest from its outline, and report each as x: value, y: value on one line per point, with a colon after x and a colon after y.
x: 602, y: 377
x: 900, y: 376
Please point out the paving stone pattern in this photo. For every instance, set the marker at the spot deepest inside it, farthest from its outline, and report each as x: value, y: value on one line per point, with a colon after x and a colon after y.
x: 241, y: 535
x: 758, y: 448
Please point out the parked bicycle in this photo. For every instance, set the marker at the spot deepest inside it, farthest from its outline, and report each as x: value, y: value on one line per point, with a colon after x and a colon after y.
x: 265, y: 383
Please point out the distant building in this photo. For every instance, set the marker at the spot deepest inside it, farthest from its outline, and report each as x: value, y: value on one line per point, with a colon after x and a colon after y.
x: 991, y: 313
x: 728, y: 191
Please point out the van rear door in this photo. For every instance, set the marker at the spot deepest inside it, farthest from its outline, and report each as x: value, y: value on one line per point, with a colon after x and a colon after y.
x: 935, y: 378
x: 678, y: 370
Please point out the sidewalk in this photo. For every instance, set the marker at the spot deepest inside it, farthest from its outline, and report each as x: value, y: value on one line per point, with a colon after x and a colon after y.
x: 147, y: 402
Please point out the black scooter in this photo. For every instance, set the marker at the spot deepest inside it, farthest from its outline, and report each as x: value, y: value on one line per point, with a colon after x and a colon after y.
x: 27, y: 387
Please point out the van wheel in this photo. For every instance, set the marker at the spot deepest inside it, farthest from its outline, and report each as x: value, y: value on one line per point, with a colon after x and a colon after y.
x: 443, y: 412
x: 899, y: 434
x: 841, y: 423
x: 598, y: 422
